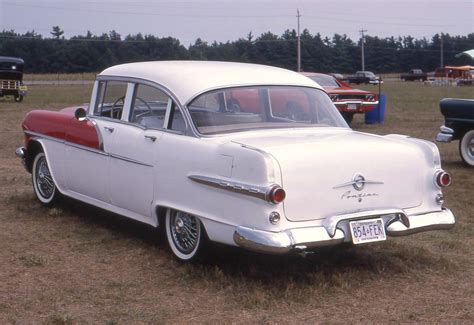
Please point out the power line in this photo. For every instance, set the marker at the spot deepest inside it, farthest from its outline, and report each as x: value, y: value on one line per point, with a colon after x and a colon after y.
x: 219, y: 16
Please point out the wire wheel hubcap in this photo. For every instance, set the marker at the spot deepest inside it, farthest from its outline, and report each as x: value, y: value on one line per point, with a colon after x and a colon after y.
x: 44, y: 180
x: 185, y: 231
x: 470, y: 148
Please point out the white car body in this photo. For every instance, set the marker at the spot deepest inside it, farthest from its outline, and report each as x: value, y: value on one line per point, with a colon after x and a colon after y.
x: 331, y: 175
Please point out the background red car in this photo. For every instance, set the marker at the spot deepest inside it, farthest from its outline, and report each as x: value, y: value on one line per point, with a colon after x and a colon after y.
x: 348, y: 100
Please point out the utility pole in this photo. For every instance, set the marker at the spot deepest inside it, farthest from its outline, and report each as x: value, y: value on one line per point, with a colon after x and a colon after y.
x: 362, y: 31
x: 442, y: 50
x: 299, y: 41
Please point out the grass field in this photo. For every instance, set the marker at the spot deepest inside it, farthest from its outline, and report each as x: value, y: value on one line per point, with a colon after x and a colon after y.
x: 78, y: 264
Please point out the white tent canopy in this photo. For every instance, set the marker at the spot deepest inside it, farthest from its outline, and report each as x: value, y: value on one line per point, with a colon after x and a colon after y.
x: 469, y: 53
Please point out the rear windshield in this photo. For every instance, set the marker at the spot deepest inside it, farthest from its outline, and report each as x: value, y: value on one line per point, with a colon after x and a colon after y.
x: 263, y: 107
x: 325, y: 81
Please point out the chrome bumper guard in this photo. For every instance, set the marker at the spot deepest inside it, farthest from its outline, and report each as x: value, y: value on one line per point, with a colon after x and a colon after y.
x: 300, y: 239
x: 21, y: 153
x: 445, y: 134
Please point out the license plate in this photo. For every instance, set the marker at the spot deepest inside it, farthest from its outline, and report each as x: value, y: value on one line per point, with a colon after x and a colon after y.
x: 366, y: 231
x: 23, y: 87
x: 352, y: 107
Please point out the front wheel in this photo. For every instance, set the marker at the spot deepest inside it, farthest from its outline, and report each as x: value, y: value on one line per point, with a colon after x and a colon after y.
x: 185, y: 235
x: 43, y: 183
x: 466, y: 148
x: 19, y: 98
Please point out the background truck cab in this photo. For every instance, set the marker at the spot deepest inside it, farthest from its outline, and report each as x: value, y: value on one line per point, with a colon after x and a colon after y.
x: 11, y: 78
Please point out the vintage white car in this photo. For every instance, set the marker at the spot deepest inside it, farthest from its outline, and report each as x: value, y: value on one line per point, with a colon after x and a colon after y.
x: 241, y: 154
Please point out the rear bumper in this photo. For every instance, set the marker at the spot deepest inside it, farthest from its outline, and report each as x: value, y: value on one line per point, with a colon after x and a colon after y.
x: 445, y: 134
x: 359, y: 106
x: 336, y: 231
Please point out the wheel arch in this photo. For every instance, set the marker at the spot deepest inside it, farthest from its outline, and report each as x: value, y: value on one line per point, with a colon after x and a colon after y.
x: 33, y: 147
x: 160, y: 217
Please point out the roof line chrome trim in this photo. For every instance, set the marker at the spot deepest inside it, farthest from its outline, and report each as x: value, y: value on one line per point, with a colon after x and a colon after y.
x: 261, y: 192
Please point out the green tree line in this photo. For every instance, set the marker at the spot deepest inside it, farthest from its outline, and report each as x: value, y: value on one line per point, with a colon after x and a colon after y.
x: 93, y: 53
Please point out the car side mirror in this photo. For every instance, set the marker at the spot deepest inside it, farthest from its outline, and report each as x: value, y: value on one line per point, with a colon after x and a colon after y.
x: 80, y: 114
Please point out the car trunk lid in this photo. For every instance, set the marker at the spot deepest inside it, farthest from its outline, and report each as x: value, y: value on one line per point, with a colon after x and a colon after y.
x: 325, y: 173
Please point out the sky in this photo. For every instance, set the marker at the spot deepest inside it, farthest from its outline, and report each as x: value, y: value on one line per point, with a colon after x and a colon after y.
x: 229, y: 20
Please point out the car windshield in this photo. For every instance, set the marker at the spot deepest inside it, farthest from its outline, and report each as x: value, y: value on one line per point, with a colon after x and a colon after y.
x: 325, y: 81
x: 263, y: 107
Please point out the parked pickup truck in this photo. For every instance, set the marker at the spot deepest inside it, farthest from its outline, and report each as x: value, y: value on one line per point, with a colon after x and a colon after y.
x: 414, y: 74
x: 363, y: 77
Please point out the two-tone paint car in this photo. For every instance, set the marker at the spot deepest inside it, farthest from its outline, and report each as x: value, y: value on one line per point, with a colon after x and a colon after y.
x: 165, y: 144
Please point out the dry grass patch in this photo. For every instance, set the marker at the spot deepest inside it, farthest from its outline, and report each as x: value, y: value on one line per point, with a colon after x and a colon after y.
x: 78, y: 264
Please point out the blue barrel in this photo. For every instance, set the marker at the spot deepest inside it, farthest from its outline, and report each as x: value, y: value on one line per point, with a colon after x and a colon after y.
x: 377, y: 115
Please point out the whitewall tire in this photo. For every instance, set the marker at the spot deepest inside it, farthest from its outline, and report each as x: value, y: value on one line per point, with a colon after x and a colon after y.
x: 43, y: 183
x: 185, y: 235
x: 466, y: 148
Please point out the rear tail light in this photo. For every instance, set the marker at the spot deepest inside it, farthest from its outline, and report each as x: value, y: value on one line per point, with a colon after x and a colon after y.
x: 443, y: 179
x: 276, y: 194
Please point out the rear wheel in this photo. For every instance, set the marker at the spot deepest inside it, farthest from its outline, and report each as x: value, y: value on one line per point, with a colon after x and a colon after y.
x: 466, y: 148
x: 43, y: 183
x: 185, y: 235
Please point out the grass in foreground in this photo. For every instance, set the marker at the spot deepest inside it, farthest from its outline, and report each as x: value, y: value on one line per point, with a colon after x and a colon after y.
x: 77, y: 264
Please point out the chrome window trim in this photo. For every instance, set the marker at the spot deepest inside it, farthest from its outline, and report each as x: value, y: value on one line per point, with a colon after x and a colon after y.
x: 166, y: 120
x: 190, y: 129
x: 127, y: 102
x: 200, y: 135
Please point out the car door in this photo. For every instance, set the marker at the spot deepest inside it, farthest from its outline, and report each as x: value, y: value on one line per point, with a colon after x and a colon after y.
x: 88, y: 169
x: 133, y: 150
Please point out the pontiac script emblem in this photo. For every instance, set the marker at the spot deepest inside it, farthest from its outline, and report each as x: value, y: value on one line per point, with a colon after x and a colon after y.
x: 358, y: 183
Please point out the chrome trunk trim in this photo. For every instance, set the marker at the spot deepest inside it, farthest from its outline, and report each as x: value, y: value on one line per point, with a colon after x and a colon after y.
x: 260, y: 192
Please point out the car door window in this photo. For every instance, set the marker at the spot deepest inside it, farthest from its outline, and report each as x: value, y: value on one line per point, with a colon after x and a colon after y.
x: 111, y: 99
x: 148, y: 107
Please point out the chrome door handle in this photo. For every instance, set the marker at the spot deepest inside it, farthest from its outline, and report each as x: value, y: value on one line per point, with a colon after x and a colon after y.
x: 150, y: 137
x: 108, y: 128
